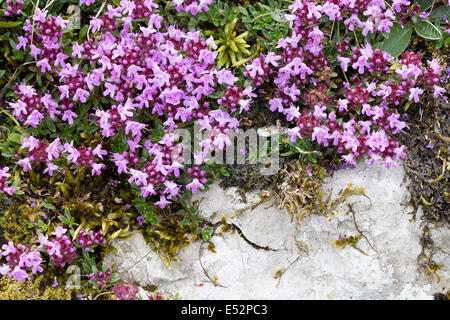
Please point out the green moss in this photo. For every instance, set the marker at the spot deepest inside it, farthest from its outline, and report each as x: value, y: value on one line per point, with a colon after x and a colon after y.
x: 298, y: 188
x: 168, y: 237
x: 13, y: 225
x: 36, y: 289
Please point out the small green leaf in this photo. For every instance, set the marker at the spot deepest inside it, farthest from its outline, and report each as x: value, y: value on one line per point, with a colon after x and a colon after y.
x: 425, y: 4
x: 14, y: 137
x: 277, y: 17
x: 48, y: 206
x: 439, y: 12
x: 397, y: 42
x: 427, y: 30
x: 243, y: 11
x: 10, y: 24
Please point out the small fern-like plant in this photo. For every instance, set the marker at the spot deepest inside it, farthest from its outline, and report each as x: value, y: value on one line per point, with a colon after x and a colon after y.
x: 232, y: 48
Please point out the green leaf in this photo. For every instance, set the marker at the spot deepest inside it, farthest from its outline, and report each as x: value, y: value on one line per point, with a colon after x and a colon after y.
x: 83, y: 32
x: 397, y: 42
x: 439, y: 12
x: 86, y: 268
x: 427, y: 30
x: 252, y: 10
x: 48, y: 206
x: 424, y: 4
x: 243, y: 11
x: 277, y: 17
x: 14, y: 137
x: 51, y: 125
x: 10, y: 24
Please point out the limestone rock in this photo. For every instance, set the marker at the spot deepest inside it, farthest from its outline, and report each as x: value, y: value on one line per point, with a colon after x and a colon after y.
x: 244, y: 268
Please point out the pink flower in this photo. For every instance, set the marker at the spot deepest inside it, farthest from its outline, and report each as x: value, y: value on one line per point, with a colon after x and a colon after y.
x: 68, y: 116
x: 59, y: 231
x: 74, y: 154
x: 292, y: 113
x: 22, y: 43
x: 51, y: 168
x: 349, y: 159
x: 276, y: 104
x: 331, y: 10
x: 34, y: 119
x: 30, y: 143
x: 272, y: 59
x: 343, y: 104
x: 53, y: 149
x: 320, y: 134
x: 45, y: 66
x: 319, y: 112
x: 148, y: 189
x: 344, y: 62
x: 97, y: 168
x: 293, y: 92
x: 389, y: 162
x: 162, y: 203
x: 438, y: 91
x: 314, y: 10
x: 414, y: 94
x: 95, y: 22
x: 226, y: 76
x: 99, y: 152
x: 81, y: 95
x: 138, y: 177
x: 25, y: 163
x: 195, y: 185
x: 19, y: 274
x: 294, y: 134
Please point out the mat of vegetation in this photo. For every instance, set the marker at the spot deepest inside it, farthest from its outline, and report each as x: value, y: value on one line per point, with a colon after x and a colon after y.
x: 93, y: 95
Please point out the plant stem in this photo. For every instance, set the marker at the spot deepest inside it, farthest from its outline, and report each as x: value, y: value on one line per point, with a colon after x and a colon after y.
x: 19, y: 128
x: 267, y: 13
x: 32, y: 26
x: 356, y: 38
x: 14, y: 75
x: 98, y: 13
x: 332, y: 29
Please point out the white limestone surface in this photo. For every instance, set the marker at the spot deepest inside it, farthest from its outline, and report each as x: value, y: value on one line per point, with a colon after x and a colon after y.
x: 243, y: 266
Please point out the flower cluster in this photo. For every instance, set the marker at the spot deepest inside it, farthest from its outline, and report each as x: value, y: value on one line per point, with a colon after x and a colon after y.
x: 60, y: 248
x: 14, y: 7
x: 31, y: 106
x: 88, y: 239
x: 101, y: 278
x: 358, y: 120
x: 192, y: 6
x: 19, y: 260
x: 124, y: 291
x: 41, y: 154
x: 4, y: 175
x: 158, y: 69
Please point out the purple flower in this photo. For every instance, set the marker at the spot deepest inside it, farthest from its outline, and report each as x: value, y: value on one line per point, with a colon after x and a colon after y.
x: 45, y: 66
x: 414, y: 94
x: 294, y: 134
x: 97, y: 168
x: 226, y: 76
x: 320, y: 134
x: 162, y: 203
x: 53, y: 149
x: 195, y: 185
x: 51, y: 168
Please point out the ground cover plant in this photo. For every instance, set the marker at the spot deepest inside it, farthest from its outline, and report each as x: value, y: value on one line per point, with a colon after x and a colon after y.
x: 93, y: 92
